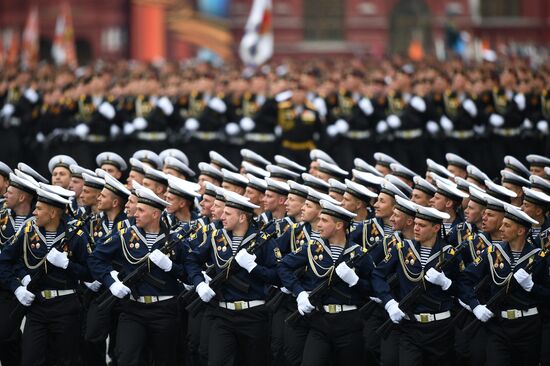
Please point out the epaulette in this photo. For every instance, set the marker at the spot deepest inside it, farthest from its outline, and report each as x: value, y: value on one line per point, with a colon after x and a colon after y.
x: 285, y: 104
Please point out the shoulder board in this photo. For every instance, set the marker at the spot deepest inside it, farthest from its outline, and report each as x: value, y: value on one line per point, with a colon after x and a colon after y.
x: 285, y: 104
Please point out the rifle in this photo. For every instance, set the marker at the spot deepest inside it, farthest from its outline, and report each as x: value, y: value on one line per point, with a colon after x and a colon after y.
x: 408, y: 301
x: 227, y: 274
x: 319, y: 292
x: 41, y: 272
x: 506, y: 291
x: 140, y: 273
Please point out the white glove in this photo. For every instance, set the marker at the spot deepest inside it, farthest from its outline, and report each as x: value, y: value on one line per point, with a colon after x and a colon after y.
x: 470, y: 107
x: 375, y: 299
x: 232, y: 128
x: 128, y: 128
x: 347, y: 274
x: 542, y: 126
x: 496, y: 120
x: 58, y: 259
x: 304, y: 306
x: 26, y: 280
x: 285, y: 290
x: 246, y: 260
x: 524, y: 279
x: 392, y: 307
x: 464, y: 305
x: 82, y: 130
x: 432, y: 127
x: 366, y: 106
x: 205, y: 292
x: 342, y: 126
x: 520, y: 100
x: 482, y: 313
x: 139, y: 123
x: 114, y: 130
x: 418, y: 103
x: 119, y: 290
x: 393, y: 121
x: 446, y: 124
x: 94, y: 286
x: 217, y: 105
x: 188, y: 287
x: 479, y: 129
x: 24, y: 296
x: 114, y: 275
x: 161, y: 260
x: 7, y: 110
x: 438, y: 278
x: 527, y: 124
x: 31, y: 95
x: 107, y: 110
x: 247, y: 124
x: 278, y: 131
x: 382, y: 127
x: 165, y: 105
x: 191, y: 124
x: 207, y: 278
x: 40, y: 137
x: 332, y: 130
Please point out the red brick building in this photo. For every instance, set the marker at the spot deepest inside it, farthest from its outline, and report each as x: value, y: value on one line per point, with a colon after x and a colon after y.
x: 112, y: 29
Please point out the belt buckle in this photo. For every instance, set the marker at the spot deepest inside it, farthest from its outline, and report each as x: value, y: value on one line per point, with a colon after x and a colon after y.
x: 511, y: 314
x: 424, y: 318
x: 148, y: 299
x: 239, y: 305
x: 47, y: 294
x: 332, y: 309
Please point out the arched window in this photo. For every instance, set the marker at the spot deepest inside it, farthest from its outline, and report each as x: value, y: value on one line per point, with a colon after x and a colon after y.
x: 500, y: 8
x: 323, y: 20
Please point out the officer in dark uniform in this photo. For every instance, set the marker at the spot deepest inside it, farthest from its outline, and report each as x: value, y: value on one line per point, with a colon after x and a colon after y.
x: 425, y: 332
x: 334, y: 332
x: 298, y: 121
x: 49, y: 244
x: 147, y: 317
x: 514, y: 333
x: 19, y: 205
x: 238, y: 331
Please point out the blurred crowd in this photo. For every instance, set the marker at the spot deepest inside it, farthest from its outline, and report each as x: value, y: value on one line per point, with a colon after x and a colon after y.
x: 351, y: 108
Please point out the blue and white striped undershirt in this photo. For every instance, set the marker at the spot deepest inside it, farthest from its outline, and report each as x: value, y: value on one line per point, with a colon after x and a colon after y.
x: 336, y: 251
x: 236, y: 243
x: 50, y: 236
x: 424, y: 255
x: 150, y: 238
x: 18, y: 221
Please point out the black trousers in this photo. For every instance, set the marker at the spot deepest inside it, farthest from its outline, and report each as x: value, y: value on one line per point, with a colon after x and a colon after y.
x: 287, y: 340
x: 545, y: 341
x: 239, y: 337
x: 52, y: 328
x: 145, y: 329
x: 470, y: 346
x: 388, y: 346
x: 93, y: 351
x: 205, y: 330
x: 334, y: 339
x: 514, y: 342
x: 426, y: 343
x: 10, y: 334
x: 194, y: 325
x: 372, y: 341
